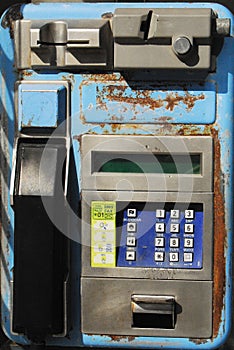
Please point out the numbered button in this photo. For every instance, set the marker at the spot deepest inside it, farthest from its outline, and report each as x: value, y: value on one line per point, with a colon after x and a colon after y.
x: 175, y: 228
x: 130, y: 256
x: 175, y: 214
x: 189, y: 214
x: 160, y: 227
x: 159, y: 242
x: 174, y: 242
x: 159, y: 256
x: 131, y: 226
x: 160, y: 213
x: 188, y: 228
x: 188, y: 257
x: 131, y: 241
x: 188, y: 243
x: 174, y: 257
x: 132, y: 213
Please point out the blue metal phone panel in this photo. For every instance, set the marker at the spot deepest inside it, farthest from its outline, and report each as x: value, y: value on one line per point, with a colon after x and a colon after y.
x: 222, y: 125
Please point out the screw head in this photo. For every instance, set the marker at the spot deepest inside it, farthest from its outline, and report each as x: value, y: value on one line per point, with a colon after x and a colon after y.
x: 182, y: 45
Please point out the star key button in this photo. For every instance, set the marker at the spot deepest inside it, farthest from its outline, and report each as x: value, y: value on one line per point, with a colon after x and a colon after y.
x: 159, y: 256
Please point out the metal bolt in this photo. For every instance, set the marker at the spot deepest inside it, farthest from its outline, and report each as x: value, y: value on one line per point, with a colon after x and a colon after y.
x: 223, y: 26
x: 182, y: 45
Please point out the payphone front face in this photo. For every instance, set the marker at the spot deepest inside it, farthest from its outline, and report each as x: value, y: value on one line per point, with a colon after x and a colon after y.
x: 117, y: 174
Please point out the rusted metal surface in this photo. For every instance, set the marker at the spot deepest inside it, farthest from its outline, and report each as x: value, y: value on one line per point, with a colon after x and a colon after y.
x: 220, y: 236
x: 97, y: 78
x: 120, y: 338
x: 115, y: 93
x: 26, y: 74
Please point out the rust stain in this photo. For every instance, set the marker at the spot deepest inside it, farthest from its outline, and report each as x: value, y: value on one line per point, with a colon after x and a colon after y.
x: 116, y: 93
x: 220, y: 235
x: 82, y: 118
x: 163, y: 119
x: 99, y: 78
x: 26, y: 73
x: 119, y: 338
x: 70, y: 78
x: 117, y: 119
x: 198, y: 341
x: 143, y: 97
x: 189, y: 100
x: 78, y: 138
x: 115, y: 127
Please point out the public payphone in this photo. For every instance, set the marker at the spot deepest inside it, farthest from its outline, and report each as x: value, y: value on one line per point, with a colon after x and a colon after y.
x: 117, y: 174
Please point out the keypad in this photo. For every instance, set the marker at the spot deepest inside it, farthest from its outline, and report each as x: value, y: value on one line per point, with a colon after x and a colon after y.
x: 164, y: 235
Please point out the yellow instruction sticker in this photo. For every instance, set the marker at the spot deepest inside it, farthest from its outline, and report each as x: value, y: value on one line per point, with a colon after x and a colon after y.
x: 103, y: 234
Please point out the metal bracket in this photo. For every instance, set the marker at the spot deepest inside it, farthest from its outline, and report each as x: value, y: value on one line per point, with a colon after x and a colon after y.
x: 81, y: 43
x: 166, y: 39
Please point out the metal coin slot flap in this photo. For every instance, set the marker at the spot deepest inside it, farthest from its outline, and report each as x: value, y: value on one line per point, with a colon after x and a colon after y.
x: 149, y: 311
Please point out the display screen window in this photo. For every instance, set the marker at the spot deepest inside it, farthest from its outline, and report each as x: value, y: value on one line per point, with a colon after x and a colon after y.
x: 151, y: 163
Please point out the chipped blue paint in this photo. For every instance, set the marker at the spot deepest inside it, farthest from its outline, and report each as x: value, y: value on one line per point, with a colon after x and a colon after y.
x: 216, y: 109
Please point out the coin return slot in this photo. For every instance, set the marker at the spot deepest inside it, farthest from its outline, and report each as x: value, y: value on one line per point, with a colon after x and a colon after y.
x: 153, y: 311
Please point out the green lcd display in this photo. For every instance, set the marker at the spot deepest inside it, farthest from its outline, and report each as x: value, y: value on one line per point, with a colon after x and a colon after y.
x: 107, y: 162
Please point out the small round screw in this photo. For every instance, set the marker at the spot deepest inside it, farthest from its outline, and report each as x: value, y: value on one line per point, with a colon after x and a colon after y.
x: 182, y: 45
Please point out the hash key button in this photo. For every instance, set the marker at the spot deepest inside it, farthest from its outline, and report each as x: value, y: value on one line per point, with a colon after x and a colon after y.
x: 188, y: 257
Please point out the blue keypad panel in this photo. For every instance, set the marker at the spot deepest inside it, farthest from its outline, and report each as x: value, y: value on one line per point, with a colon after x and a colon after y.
x: 163, y: 235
